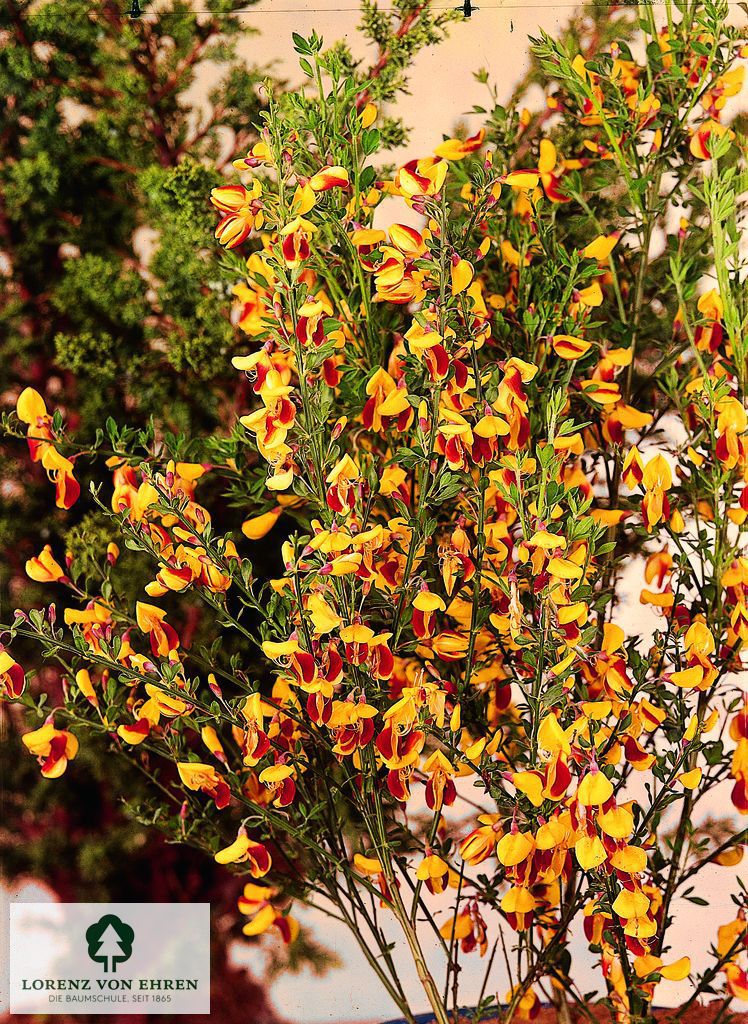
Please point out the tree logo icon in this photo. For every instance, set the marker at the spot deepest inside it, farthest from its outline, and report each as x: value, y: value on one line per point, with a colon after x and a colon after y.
x: 110, y: 942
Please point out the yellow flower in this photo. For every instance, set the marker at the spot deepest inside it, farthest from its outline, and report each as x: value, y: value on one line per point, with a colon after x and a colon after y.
x: 44, y: 568
x: 514, y: 848
x: 601, y: 247
x: 53, y: 748
x: 368, y: 115
x: 690, y: 779
x: 30, y: 406
x: 324, y: 618
x: 259, y: 526
x: 461, y: 275
x: 594, y: 789
x: 458, y: 149
x: 431, y: 867
x: 422, y: 177
x: 518, y: 901
x: 631, y: 859
x: 237, y: 851
x: 630, y: 904
x: 590, y: 852
x: 617, y: 823
x: 367, y: 865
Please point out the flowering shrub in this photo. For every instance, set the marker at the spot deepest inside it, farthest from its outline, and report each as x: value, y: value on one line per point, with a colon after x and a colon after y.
x: 109, y: 302
x: 106, y: 141
x: 464, y: 429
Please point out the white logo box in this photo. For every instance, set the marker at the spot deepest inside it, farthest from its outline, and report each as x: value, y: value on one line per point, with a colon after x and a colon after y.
x: 109, y: 958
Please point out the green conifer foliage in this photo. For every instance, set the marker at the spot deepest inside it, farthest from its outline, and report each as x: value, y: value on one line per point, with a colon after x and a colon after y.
x: 105, y: 234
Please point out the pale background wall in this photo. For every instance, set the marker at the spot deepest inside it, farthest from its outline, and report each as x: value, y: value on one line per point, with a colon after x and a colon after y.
x: 442, y: 86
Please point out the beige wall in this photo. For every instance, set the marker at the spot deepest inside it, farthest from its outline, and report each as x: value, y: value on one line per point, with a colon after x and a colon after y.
x: 441, y: 84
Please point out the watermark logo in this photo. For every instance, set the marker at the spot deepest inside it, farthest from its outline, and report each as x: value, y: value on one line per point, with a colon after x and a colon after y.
x: 110, y: 942
x: 109, y: 958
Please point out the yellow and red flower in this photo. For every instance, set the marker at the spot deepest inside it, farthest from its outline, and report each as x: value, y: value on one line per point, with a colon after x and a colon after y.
x: 53, y: 748
x: 242, y: 211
